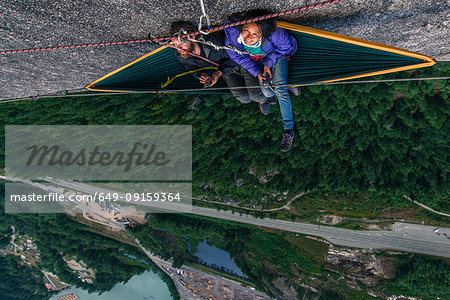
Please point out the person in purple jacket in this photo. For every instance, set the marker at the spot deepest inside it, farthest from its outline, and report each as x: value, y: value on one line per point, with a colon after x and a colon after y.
x: 267, y: 49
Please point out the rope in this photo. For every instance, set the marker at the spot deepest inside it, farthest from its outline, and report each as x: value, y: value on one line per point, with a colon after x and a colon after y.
x: 74, y: 46
x: 225, y: 88
x: 217, y: 47
x: 165, y: 39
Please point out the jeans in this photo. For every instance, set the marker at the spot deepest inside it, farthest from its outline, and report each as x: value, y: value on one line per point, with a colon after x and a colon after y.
x: 240, y: 77
x: 279, y: 77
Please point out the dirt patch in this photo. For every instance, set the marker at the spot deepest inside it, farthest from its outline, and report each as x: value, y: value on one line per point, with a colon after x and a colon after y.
x: 390, y: 213
x: 387, y: 265
x: 373, y: 227
x: 131, y: 213
x: 330, y: 219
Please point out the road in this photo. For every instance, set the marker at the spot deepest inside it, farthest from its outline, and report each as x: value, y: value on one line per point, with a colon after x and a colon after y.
x: 404, y: 237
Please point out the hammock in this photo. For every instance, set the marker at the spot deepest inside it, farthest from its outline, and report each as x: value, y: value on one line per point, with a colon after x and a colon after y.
x: 321, y: 57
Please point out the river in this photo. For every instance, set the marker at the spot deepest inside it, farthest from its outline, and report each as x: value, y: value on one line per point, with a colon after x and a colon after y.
x: 145, y: 286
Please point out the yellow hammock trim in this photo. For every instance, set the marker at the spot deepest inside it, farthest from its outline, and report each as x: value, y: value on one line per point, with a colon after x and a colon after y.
x: 169, y: 81
x: 428, y: 61
x: 89, y: 86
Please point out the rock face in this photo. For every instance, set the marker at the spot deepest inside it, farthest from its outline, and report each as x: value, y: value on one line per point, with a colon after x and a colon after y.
x: 361, y: 268
x: 418, y: 26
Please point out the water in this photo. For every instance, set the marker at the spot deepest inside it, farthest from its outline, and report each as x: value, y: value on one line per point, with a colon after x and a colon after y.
x: 146, y: 286
x: 217, y: 258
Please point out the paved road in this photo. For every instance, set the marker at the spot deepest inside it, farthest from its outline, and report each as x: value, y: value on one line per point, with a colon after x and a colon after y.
x: 404, y: 237
x: 419, y: 26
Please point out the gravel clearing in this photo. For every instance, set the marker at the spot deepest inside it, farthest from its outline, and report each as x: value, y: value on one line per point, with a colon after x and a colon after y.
x: 418, y: 26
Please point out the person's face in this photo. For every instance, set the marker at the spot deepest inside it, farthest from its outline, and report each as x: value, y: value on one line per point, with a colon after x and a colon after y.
x: 183, y: 47
x: 251, y: 33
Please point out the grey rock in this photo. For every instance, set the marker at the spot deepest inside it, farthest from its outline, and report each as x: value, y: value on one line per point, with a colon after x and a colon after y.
x: 418, y: 26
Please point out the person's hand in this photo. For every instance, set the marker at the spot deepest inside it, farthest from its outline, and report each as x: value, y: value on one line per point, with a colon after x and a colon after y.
x: 205, y: 79
x: 266, y: 74
x: 215, y: 76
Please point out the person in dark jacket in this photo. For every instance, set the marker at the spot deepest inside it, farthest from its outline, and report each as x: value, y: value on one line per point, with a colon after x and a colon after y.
x: 268, y: 49
x: 227, y: 69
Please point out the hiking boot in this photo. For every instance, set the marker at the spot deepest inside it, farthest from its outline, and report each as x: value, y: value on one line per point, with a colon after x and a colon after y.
x: 264, y: 108
x: 286, y: 143
x: 272, y: 100
x: 295, y: 90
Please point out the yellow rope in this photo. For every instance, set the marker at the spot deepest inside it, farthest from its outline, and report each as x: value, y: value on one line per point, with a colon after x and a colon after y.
x: 169, y: 81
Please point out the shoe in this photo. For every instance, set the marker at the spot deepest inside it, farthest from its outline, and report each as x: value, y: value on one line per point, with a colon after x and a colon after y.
x: 295, y: 90
x: 264, y: 108
x: 272, y: 100
x: 286, y: 143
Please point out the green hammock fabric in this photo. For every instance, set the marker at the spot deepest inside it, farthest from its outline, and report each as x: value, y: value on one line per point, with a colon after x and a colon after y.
x: 317, y: 59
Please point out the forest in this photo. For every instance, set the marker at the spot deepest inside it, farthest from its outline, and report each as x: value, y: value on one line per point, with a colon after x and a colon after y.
x: 358, y: 148
x: 425, y: 277
x: 378, y: 141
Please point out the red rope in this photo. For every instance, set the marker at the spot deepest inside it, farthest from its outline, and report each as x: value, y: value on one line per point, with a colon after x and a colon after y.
x: 165, y: 39
x: 74, y: 46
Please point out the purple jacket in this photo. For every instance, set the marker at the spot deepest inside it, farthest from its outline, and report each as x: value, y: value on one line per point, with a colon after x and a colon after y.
x: 280, y: 43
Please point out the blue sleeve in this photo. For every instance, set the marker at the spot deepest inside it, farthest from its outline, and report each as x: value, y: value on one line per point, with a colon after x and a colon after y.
x: 284, y: 44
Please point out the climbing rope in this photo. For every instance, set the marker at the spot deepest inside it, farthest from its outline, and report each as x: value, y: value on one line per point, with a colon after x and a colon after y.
x: 221, y: 88
x: 218, y: 47
x: 164, y: 40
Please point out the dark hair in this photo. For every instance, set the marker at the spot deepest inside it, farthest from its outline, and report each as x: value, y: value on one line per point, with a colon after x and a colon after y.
x: 175, y: 27
x: 267, y: 26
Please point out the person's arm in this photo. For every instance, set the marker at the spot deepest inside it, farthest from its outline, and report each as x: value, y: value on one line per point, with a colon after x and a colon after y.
x: 226, y: 64
x: 284, y: 43
x: 189, y: 66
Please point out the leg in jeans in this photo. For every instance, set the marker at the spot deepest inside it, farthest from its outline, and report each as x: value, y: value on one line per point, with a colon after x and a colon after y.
x: 279, y: 77
x: 233, y: 80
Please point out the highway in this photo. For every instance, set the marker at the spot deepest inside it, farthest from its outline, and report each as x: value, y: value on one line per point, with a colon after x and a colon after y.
x: 404, y: 237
